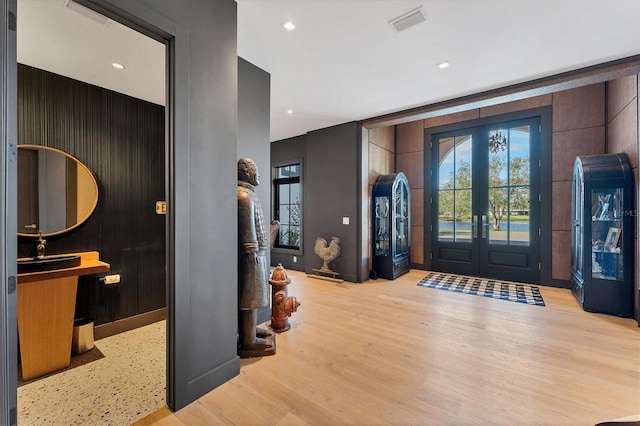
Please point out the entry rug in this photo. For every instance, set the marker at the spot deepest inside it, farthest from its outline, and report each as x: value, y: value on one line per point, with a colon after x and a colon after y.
x: 521, y: 293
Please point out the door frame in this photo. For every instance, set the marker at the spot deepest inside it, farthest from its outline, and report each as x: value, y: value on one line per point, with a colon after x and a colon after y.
x: 8, y: 215
x: 545, y: 182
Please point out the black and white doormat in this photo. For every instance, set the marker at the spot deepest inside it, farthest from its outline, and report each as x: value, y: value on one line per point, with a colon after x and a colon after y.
x: 522, y: 293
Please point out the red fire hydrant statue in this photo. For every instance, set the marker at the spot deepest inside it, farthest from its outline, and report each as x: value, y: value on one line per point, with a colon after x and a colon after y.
x: 281, y: 306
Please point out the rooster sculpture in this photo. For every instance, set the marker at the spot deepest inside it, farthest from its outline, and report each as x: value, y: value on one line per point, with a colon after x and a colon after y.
x: 327, y: 253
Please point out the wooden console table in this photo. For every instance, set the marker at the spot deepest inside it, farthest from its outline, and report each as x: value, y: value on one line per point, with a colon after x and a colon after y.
x: 46, y: 309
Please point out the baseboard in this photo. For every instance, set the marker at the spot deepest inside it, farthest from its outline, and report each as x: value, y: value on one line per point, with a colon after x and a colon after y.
x: 557, y: 283
x: 120, y: 326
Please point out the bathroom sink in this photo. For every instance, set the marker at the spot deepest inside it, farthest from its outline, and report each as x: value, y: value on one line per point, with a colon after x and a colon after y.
x: 48, y: 263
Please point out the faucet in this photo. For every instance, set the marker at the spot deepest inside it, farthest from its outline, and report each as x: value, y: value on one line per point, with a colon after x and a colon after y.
x: 40, y: 246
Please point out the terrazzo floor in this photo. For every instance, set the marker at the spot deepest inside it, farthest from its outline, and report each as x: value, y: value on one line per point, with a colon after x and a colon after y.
x: 123, y: 386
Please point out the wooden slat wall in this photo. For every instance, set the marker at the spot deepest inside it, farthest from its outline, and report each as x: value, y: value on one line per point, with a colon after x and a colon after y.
x: 121, y: 140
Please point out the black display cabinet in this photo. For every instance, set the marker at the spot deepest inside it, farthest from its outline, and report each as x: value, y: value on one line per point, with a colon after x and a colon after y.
x: 391, y: 226
x: 602, y: 212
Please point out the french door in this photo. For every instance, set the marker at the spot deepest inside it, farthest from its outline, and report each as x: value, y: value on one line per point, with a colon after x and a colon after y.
x: 486, y: 202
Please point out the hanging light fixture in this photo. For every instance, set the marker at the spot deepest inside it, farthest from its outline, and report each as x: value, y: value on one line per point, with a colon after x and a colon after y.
x: 497, y: 142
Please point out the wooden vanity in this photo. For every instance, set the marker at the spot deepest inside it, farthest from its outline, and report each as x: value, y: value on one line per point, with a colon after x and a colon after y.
x: 46, y: 309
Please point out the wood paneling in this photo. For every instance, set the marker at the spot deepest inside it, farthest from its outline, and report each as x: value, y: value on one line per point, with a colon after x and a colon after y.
x: 561, y: 205
x: 561, y: 259
x: 567, y: 145
x: 472, y: 114
x: 623, y: 125
x: 579, y: 108
x: 620, y: 93
x: 417, y: 207
x: 121, y: 140
x: 410, y: 137
x: 529, y: 103
x: 413, y: 166
x: 381, y: 162
x: 622, y: 133
x: 384, y: 137
x: 578, y: 129
x: 417, y: 245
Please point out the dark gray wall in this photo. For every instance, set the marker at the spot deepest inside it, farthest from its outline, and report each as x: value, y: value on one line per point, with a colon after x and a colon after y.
x: 254, y: 101
x: 331, y: 186
x: 332, y: 191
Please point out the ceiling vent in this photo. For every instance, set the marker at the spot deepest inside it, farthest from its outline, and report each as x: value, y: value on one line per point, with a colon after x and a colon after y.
x: 408, y: 19
x: 89, y: 13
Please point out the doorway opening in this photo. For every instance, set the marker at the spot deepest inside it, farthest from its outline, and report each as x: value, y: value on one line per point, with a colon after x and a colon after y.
x: 112, y: 118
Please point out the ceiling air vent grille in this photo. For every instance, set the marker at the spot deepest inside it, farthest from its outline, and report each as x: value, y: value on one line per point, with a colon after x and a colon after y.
x: 408, y: 19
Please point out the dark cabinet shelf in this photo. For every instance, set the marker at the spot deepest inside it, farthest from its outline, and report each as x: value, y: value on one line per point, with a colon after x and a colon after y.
x: 391, y: 225
x: 602, y: 234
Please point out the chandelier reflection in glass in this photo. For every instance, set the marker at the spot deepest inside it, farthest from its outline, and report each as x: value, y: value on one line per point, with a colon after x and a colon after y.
x: 497, y: 142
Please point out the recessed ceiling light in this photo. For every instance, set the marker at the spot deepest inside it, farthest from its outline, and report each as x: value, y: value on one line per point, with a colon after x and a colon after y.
x: 289, y: 111
x: 117, y: 66
x: 443, y: 65
x: 288, y: 26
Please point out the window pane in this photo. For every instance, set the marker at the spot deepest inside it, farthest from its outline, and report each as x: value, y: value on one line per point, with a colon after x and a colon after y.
x: 519, y: 216
x: 283, y: 237
x: 294, y: 236
x: 446, y: 171
x: 445, y: 215
x: 283, y: 215
x: 284, y: 193
x: 498, y: 216
x: 294, y: 214
x: 519, y: 156
x: 295, y: 193
x: 462, y: 224
x: 463, y: 163
x: 295, y: 170
x: 498, y: 158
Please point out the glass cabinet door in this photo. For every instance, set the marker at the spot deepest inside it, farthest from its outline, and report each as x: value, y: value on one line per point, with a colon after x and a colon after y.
x: 577, y: 219
x: 606, y: 233
x: 382, y: 226
x: 401, y: 212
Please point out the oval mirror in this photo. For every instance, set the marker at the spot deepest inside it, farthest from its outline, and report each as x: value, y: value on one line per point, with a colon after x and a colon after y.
x: 56, y: 192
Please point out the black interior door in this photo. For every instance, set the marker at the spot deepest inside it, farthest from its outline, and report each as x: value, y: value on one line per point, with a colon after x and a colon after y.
x: 486, y: 209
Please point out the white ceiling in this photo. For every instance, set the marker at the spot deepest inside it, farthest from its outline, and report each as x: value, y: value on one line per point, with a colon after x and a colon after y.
x: 344, y: 61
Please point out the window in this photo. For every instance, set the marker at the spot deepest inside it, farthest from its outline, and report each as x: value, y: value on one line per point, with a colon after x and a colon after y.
x: 288, y: 206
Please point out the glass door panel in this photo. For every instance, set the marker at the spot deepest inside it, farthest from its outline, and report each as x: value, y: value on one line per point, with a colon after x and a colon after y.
x: 455, y: 184
x: 509, y: 185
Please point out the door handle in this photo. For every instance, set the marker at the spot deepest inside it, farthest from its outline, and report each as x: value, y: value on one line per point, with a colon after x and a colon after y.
x: 485, y: 225
x: 474, y: 226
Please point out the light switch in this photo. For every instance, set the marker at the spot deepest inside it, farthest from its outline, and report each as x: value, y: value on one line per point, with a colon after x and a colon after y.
x: 345, y: 220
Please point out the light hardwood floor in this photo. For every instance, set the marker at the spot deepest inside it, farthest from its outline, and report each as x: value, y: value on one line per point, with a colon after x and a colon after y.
x: 391, y: 352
